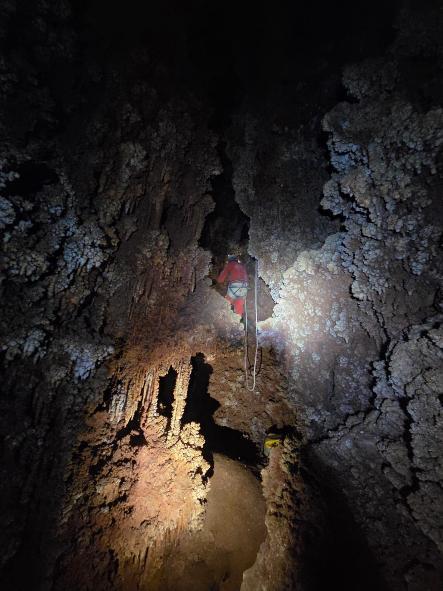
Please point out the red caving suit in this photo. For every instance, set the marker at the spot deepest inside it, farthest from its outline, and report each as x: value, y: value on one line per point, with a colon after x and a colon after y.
x: 237, y: 277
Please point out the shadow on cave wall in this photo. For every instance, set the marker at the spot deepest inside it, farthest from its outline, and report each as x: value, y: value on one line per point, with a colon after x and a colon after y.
x: 200, y: 408
x: 166, y: 395
x: 337, y: 555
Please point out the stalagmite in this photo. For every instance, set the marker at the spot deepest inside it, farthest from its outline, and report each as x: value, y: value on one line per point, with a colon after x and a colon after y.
x: 140, y: 144
x: 180, y: 394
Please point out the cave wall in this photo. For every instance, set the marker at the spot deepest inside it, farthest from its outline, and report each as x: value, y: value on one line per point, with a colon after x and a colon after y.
x: 107, y: 175
x: 357, y: 320
x: 104, y: 181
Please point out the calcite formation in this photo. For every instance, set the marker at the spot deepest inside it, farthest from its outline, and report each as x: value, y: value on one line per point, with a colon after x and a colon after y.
x: 352, y: 317
x: 123, y: 366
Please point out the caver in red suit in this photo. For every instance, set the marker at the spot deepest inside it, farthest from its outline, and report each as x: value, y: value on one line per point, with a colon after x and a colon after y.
x: 237, y: 277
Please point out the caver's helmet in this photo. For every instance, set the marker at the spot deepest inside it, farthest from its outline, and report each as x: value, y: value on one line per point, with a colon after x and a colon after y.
x: 232, y: 257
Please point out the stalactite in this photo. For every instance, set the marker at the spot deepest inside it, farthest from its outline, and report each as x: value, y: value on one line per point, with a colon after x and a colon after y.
x: 111, y: 163
x: 151, y: 396
x: 184, y: 369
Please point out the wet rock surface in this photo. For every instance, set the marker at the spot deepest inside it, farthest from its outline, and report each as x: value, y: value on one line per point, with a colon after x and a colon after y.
x: 124, y: 404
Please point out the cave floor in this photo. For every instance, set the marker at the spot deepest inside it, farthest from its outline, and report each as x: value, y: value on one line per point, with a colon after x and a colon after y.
x: 215, y: 557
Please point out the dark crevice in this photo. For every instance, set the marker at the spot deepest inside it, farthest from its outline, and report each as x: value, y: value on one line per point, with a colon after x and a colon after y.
x: 113, y: 386
x: 414, y: 485
x: 166, y: 395
x: 226, y: 228
x: 133, y: 429
x: 95, y: 469
x: 407, y: 434
x: 33, y: 177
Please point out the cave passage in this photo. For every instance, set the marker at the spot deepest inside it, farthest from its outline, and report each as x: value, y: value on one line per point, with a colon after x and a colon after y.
x: 226, y: 228
x: 226, y: 231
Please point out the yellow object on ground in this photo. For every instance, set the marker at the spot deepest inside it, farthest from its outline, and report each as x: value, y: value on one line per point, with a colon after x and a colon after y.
x: 271, y: 440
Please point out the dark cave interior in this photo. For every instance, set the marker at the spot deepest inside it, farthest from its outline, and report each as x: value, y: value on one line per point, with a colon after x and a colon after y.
x: 340, y: 555
x: 141, y: 143
x: 32, y: 177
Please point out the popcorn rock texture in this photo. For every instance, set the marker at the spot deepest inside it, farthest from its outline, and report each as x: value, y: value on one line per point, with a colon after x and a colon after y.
x: 123, y: 368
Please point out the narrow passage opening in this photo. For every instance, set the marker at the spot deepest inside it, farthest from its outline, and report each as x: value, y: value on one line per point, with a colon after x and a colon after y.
x: 227, y: 227
x: 226, y: 231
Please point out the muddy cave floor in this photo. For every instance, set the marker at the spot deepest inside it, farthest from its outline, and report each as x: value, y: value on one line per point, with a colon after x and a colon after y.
x: 215, y: 557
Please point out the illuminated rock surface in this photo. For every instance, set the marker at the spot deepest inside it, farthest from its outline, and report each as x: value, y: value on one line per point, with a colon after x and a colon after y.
x: 140, y: 146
